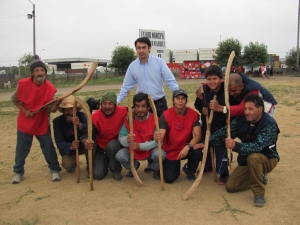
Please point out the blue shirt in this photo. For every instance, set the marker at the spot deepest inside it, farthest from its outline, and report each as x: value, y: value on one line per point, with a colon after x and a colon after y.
x: 149, y: 77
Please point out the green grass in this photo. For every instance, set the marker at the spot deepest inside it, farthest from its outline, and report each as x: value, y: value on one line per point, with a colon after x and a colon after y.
x: 33, y: 221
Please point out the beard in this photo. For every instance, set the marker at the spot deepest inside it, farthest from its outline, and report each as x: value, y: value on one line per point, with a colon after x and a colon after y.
x: 40, y: 78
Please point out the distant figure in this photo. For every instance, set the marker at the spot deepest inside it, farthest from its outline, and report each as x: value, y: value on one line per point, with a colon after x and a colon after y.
x: 7, y: 85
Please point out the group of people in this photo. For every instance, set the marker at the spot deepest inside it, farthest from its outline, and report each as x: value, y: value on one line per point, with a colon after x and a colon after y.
x: 181, y: 131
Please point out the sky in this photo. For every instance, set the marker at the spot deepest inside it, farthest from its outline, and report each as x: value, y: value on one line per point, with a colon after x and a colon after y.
x: 93, y: 28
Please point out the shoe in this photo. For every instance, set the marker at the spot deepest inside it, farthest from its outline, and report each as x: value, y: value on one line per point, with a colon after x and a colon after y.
x: 265, y: 179
x: 129, y: 174
x: 55, y: 177
x: 191, y: 177
x: 117, y: 176
x: 148, y: 168
x: 259, y: 200
x: 223, y: 179
x: 156, y: 174
x: 18, y: 177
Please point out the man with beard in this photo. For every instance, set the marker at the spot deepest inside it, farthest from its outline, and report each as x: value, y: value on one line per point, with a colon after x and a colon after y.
x: 107, y: 122
x: 257, y: 152
x: 142, y: 142
x: 32, y: 93
x: 63, y: 127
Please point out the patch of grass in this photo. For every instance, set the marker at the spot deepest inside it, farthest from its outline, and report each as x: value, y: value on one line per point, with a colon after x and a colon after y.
x: 233, y: 211
x: 129, y: 194
x: 286, y: 135
x: 41, y: 198
x: 33, y: 221
x: 20, y: 198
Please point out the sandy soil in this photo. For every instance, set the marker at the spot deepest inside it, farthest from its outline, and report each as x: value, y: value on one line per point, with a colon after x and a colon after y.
x: 38, y: 200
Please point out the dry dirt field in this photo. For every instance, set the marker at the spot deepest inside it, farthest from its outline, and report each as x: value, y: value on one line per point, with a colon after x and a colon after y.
x: 38, y: 200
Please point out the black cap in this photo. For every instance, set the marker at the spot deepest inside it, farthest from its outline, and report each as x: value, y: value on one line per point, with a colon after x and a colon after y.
x: 180, y: 92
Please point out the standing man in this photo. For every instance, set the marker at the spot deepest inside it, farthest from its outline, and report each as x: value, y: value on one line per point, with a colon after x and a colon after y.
x: 32, y: 93
x: 179, y: 132
x: 63, y: 127
x: 148, y: 72
x: 107, y: 122
x: 142, y: 142
x: 257, y: 152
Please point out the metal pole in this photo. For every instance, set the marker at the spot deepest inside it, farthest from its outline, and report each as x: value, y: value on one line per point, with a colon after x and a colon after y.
x: 297, y: 60
x: 33, y: 14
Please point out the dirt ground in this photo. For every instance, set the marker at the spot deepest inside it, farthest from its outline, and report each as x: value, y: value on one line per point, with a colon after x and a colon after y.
x: 38, y: 200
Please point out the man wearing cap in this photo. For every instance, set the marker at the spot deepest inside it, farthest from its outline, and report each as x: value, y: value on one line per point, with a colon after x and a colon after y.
x: 107, y: 122
x: 179, y: 132
x: 32, y: 93
x: 63, y: 126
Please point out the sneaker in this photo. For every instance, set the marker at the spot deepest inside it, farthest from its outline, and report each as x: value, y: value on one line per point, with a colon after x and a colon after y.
x: 223, y: 179
x: 117, y: 176
x: 55, y: 177
x: 191, y: 177
x: 259, y: 200
x: 129, y: 174
x: 156, y: 174
x: 18, y: 177
x: 265, y: 179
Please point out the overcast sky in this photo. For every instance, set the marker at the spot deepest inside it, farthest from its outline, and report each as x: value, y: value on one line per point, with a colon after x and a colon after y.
x: 92, y: 28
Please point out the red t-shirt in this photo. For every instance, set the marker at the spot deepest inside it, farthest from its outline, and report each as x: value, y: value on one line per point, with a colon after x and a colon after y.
x: 33, y: 97
x: 108, y: 126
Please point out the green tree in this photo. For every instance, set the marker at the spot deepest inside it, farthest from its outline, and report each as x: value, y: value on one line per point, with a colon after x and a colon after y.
x: 255, y: 52
x: 224, y: 50
x: 122, y: 56
x: 291, y: 58
x: 24, y: 64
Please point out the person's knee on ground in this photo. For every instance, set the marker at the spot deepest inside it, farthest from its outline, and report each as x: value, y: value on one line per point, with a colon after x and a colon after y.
x: 112, y: 148
x: 155, y: 158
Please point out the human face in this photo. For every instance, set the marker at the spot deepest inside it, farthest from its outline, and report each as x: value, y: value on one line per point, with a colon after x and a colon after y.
x: 68, y: 113
x: 38, y: 75
x: 142, y: 50
x: 214, y: 82
x: 235, y: 90
x: 141, y: 109
x: 179, y: 102
x: 108, y: 108
x: 252, y: 113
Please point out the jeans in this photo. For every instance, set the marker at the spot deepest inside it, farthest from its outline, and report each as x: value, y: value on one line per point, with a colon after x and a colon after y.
x: 24, y: 142
x: 160, y: 105
x: 123, y: 156
x: 221, y: 160
x: 250, y: 176
x: 172, y: 167
x: 105, y: 158
x: 68, y: 161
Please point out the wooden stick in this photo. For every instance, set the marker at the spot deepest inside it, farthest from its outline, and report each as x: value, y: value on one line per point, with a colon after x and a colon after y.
x: 76, y: 139
x: 227, y: 104
x: 133, y: 170
x: 205, y: 150
x: 82, y: 84
x: 161, y: 172
x: 89, y: 128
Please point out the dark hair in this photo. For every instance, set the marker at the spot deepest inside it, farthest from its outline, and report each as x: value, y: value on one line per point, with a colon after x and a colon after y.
x: 214, y: 70
x: 256, y: 99
x: 143, y: 40
x: 140, y: 97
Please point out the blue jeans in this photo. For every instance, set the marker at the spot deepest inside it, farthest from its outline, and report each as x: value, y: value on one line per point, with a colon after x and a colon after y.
x: 105, y: 158
x: 24, y: 142
x: 221, y: 160
x: 123, y: 156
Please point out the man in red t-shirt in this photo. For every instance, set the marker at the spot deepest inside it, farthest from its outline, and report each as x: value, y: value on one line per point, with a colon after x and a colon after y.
x: 107, y: 122
x: 179, y: 132
x: 30, y: 95
x: 142, y: 142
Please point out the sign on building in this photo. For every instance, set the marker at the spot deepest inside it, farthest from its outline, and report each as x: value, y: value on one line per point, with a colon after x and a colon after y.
x: 158, y: 41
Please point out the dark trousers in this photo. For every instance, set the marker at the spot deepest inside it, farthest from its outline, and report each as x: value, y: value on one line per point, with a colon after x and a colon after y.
x: 161, y: 105
x: 106, y: 158
x: 221, y: 160
x: 172, y: 167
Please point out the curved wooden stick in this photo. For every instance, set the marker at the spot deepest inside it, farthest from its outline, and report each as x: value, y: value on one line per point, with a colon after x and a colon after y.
x: 205, y: 150
x: 133, y: 170
x: 89, y: 128
x: 82, y: 84
x: 161, y: 172
x: 76, y: 139
x: 227, y: 104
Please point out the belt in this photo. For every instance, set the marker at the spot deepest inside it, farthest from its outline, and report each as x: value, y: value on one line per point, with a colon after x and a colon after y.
x: 159, y: 100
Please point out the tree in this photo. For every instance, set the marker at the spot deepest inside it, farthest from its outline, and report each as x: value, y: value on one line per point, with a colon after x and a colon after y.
x: 24, y: 62
x: 224, y: 50
x: 255, y: 52
x: 122, y: 56
x: 291, y: 58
